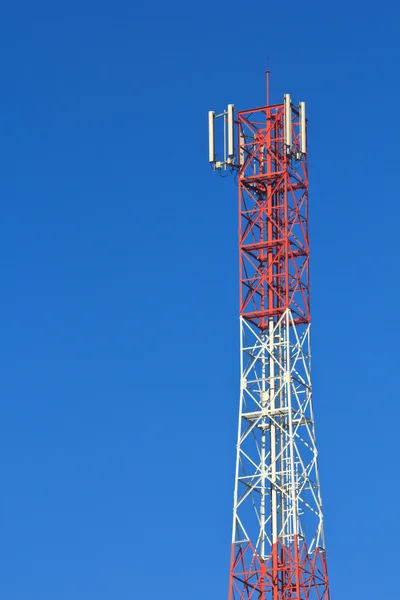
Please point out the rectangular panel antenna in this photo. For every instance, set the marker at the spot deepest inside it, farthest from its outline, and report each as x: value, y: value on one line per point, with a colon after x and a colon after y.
x: 211, y: 136
x: 241, y: 148
x: 303, y: 139
x: 231, y: 151
x: 288, y: 121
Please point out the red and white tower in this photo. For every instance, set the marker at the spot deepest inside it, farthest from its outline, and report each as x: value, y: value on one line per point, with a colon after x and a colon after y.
x: 278, y: 549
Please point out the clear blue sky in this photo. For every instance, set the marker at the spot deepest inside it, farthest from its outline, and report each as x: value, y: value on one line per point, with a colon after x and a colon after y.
x: 119, y: 294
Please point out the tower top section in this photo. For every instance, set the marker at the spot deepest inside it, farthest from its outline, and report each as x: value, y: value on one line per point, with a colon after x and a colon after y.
x: 223, y: 149
x: 267, y: 148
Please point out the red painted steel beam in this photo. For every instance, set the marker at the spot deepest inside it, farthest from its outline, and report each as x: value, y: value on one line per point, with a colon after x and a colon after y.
x: 273, y: 217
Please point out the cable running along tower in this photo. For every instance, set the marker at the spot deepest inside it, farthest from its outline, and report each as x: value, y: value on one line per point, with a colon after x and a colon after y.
x: 278, y: 549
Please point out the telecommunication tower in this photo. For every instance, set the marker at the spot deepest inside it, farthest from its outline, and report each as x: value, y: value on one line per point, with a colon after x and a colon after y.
x: 278, y: 549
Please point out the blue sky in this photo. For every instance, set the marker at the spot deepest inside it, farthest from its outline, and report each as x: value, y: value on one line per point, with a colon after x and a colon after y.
x: 118, y: 262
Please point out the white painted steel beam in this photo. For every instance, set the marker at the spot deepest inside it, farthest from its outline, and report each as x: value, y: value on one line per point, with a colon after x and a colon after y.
x: 277, y: 485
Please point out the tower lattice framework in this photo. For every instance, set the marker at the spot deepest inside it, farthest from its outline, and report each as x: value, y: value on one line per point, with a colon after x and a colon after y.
x: 278, y: 549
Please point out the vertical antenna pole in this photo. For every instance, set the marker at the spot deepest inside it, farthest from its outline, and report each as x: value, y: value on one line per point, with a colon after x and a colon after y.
x: 267, y: 72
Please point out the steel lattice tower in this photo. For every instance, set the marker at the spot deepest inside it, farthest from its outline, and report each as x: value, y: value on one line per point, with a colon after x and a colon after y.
x: 278, y: 549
